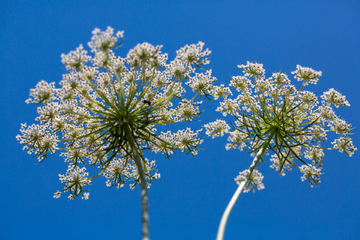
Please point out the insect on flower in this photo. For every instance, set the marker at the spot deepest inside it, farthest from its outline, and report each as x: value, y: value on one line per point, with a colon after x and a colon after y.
x: 147, y: 102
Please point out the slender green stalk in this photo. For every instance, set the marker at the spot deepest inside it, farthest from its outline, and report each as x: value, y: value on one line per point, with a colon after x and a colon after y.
x: 224, y: 218
x: 144, y: 196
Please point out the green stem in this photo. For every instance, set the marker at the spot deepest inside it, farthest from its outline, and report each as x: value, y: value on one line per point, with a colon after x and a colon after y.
x: 224, y: 218
x: 144, y: 197
x: 297, y: 95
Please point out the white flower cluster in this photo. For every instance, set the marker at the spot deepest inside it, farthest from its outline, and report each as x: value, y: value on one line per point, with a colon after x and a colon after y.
x: 42, y: 92
x: 221, y: 91
x: 335, y: 98
x: 194, y: 54
x: 146, y: 52
x: 308, y: 75
x: 217, y: 128
x: 202, y: 83
x: 74, y: 179
x: 187, y: 140
x: 107, y: 108
x: 104, y: 41
x: 311, y: 173
x: 289, y: 121
x: 119, y: 170
x: 37, y: 140
x: 253, y: 179
x: 75, y: 59
x: 252, y: 69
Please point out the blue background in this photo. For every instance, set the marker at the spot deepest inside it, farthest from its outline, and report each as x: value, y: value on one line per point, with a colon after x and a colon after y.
x: 192, y: 193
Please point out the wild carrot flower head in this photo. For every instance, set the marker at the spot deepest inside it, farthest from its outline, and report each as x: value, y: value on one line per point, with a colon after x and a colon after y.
x: 292, y: 123
x: 105, y: 100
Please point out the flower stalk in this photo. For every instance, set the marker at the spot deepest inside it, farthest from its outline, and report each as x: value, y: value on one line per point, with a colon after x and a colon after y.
x: 230, y: 206
x: 144, y: 196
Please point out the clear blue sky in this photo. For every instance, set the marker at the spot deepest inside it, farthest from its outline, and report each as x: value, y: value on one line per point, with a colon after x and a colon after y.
x: 192, y: 193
